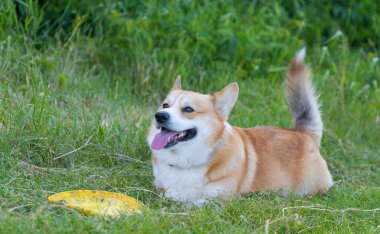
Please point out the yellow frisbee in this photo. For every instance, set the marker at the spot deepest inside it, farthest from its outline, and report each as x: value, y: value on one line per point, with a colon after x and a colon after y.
x: 92, y: 202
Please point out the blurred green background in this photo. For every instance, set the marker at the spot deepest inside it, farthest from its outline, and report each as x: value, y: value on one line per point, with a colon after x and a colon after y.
x: 148, y: 40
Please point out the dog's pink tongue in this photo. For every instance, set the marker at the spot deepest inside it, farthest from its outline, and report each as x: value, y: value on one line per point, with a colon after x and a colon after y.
x: 161, y: 139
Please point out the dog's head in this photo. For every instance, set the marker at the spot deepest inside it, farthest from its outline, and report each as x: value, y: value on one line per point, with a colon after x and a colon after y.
x: 189, y: 121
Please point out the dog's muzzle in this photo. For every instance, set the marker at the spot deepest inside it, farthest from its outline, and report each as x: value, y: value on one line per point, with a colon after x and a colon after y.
x: 162, y: 117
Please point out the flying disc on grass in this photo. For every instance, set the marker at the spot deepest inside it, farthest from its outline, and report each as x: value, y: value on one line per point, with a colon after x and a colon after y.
x: 93, y: 202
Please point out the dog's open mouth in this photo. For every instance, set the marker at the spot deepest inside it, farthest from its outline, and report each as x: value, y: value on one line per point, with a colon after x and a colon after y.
x: 168, y: 138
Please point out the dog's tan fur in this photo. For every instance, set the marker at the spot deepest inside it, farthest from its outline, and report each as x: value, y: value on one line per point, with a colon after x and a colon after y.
x: 282, y: 160
x: 261, y: 158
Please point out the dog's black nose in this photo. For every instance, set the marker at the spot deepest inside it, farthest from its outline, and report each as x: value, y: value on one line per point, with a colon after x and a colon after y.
x: 162, y: 117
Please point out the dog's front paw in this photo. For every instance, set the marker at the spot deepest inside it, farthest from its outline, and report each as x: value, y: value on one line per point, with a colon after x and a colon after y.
x: 194, y: 203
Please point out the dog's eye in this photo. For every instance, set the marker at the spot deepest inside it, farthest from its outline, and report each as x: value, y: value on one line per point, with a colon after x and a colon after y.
x: 165, y: 105
x: 188, y: 109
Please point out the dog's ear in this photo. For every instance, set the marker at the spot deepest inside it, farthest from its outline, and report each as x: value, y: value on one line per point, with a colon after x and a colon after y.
x: 177, y: 84
x: 225, y: 99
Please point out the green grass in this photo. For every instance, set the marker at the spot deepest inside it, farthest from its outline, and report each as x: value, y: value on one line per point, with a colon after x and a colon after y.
x: 98, y: 73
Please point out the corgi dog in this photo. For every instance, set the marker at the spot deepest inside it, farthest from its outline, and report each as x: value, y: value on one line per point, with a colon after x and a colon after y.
x: 197, y: 155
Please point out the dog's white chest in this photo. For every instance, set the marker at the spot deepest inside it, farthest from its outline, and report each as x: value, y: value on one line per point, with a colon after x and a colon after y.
x: 180, y: 184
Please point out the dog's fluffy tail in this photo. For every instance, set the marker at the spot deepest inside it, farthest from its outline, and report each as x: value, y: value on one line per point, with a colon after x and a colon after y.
x: 302, y: 100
